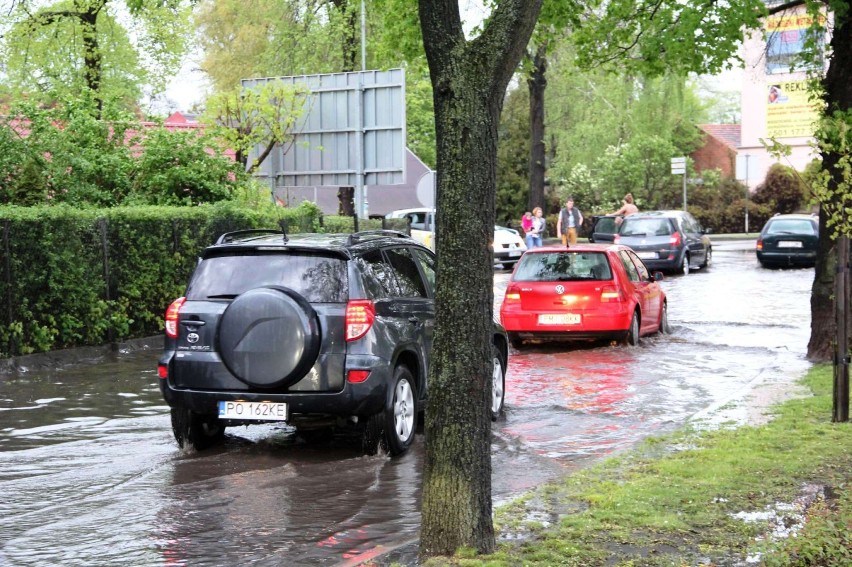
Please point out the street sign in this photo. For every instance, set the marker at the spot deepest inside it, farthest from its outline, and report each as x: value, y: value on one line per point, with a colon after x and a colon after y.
x: 678, y: 166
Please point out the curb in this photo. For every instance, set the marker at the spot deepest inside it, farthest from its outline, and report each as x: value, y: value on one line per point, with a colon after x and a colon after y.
x: 53, y: 359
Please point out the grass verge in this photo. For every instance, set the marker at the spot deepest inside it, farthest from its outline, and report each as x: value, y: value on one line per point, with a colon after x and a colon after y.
x: 699, y: 498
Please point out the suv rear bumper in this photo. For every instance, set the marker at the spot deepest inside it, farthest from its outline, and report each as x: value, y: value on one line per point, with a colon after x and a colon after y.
x: 362, y: 399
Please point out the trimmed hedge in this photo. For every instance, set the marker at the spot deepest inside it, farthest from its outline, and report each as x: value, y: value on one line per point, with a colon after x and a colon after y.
x: 71, y: 277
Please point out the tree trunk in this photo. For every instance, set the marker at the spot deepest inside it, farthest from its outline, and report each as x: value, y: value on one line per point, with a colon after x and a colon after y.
x: 350, y: 43
x: 537, y: 82
x: 92, y: 60
x: 469, y: 80
x: 820, y: 345
x: 838, y: 96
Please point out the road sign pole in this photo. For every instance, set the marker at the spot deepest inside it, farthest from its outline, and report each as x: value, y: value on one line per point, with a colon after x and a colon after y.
x: 746, y: 192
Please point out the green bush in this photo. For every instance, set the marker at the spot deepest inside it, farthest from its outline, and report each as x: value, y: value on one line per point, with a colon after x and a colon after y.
x: 61, y: 286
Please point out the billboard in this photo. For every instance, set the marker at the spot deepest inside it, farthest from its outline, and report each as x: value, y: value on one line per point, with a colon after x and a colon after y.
x: 786, y: 37
x: 789, y: 113
x: 352, y: 133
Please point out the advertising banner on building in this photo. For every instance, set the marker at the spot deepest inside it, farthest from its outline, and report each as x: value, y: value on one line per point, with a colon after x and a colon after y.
x: 789, y: 113
x: 786, y: 36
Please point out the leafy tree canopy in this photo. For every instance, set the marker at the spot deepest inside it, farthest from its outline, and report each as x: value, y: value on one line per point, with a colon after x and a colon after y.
x: 107, y: 46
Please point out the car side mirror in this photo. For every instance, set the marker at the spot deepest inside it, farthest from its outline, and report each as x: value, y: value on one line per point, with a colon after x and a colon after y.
x: 658, y: 276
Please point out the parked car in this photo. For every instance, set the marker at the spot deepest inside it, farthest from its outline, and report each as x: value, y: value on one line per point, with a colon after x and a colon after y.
x: 508, y: 243
x: 316, y: 330
x: 672, y: 241
x: 604, y: 228
x: 508, y: 246
x: 788, y: 240
x: 585, y: 292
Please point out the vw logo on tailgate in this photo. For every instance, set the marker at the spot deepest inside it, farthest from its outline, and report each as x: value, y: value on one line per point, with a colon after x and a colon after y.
x: 560, y: 289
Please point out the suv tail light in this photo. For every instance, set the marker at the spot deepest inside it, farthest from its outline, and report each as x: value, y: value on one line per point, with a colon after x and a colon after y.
x: 611, y: 293
x: 675, y: 239
x: 360, y: 315
x: 172, y: 317
x: 760, y: 244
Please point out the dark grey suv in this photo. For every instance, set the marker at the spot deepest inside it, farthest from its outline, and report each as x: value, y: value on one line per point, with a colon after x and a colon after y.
x: 672, y: 241
x: 319, y: 331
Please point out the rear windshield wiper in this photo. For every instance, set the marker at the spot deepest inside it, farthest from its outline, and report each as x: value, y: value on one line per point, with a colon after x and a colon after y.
x: 222, y: 296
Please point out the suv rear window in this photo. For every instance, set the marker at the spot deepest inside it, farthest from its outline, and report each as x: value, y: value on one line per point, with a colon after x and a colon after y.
x: 653, y: 227
x: 319, y: 279
x: 563, y: 266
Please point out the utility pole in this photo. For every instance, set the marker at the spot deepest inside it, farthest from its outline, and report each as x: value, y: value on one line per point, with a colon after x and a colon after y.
x: 746, y: 192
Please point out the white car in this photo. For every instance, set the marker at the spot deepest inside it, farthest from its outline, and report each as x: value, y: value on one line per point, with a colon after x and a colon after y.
x: 508, y: 244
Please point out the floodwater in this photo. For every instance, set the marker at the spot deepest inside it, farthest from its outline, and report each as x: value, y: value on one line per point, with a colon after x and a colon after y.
x: 90, y: 474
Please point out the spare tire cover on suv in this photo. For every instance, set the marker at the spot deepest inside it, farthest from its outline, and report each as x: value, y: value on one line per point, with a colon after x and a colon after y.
x: 269, y: 337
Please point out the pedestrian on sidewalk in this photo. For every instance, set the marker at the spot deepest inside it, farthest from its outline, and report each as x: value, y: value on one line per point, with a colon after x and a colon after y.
x: 536, y: 231
x: 570, y: 220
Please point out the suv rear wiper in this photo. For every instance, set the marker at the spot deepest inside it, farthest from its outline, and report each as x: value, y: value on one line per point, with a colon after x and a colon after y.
x: 222, y: 296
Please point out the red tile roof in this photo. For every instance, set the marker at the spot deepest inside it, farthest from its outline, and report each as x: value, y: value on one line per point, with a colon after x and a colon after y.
x: 727, y: 133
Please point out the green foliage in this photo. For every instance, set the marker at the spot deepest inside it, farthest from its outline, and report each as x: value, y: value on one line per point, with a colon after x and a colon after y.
x: 65, y: 155
x: 513, y: 155
x: 616, y: 134
x: 47, y: 55
x: 420, y: 117
x: 183, y: 168
x: 782, y: 191
x: 65, y: 288
x: 832, y: 185
x: 720, y: 204
x: 665, y: 36
x: 262, y: 116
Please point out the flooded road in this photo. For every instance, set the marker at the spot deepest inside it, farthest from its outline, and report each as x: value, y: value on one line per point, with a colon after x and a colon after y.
x: 90, y: 473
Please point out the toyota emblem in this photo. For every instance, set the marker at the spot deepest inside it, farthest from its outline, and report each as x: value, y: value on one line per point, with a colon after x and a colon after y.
x: 192, y: 338
x: 560, y: 289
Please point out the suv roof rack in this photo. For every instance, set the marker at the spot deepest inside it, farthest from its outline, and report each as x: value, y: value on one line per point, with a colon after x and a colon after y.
x: 244, y: 234
x: 357, y: 236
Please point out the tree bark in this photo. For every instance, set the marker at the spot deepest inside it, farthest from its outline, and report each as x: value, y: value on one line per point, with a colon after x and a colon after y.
x: 537, y: 82
x: 823, y: 328
x: 837, y: 95
x: 469, y: 80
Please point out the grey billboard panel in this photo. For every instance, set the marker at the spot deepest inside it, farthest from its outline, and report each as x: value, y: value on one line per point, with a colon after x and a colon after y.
x: 353, y: 125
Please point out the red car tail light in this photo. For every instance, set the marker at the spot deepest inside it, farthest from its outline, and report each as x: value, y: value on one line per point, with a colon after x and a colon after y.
x: 163, y: 371
x: 360, y: 315
x: 357, y: 376
x: 759, y: 244
x: 611, y: 293
x: 172, y: 317
x: 675, y: 239
x: 513, y: 294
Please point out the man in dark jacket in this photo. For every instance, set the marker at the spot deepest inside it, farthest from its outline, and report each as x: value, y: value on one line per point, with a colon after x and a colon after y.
x: 570, y: 220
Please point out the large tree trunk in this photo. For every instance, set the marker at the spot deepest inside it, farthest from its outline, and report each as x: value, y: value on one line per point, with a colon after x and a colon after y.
x: 537, y: 82
x: 469, y: 80
x: 838, y: 96
x: 823, y: 327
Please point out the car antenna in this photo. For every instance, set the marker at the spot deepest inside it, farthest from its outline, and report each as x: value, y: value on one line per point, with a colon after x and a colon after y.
x: 283, y: 224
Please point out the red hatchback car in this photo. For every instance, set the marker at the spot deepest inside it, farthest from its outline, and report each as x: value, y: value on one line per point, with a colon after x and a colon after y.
x: 587, y: 291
